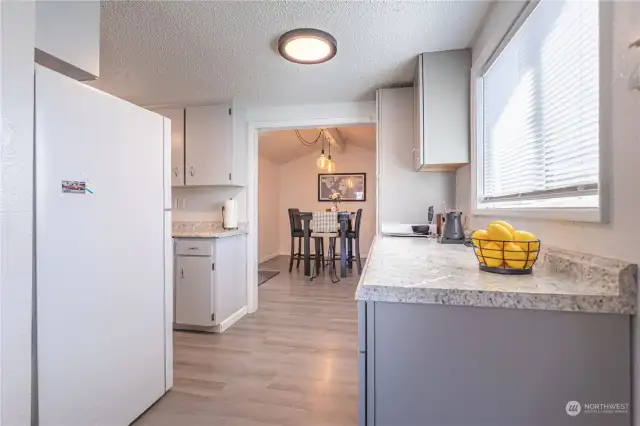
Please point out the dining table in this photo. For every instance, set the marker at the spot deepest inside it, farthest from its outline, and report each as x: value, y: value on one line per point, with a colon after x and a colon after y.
x: 344, y: 218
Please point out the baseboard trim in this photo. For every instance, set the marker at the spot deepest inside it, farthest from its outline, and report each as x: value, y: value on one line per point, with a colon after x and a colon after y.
x: 270, y: 256
x: 233, y: 318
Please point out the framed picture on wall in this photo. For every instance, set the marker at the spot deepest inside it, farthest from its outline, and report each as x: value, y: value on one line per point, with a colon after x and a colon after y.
x: 352, y: 186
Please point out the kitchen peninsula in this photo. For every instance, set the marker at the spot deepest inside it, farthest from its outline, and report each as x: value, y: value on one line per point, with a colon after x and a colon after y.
x: 443, y: 343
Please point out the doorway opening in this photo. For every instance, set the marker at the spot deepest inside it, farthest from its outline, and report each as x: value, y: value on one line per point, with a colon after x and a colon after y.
x: 294, y: 177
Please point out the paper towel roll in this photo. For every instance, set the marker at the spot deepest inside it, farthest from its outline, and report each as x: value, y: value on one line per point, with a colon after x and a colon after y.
x: 230, y: 214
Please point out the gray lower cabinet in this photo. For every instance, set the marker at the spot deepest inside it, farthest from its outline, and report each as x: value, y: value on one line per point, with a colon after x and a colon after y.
x: 423, y: 365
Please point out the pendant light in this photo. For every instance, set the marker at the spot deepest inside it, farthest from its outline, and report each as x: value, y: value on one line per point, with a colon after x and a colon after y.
x: 331, y: 166
x: 321, y: 162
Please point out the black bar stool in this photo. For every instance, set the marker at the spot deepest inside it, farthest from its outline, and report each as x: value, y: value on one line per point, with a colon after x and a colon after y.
x: 295, y: 224
x: 353, y: 239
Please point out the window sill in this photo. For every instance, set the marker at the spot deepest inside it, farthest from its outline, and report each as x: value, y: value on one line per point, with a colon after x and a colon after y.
x: 566, y: 214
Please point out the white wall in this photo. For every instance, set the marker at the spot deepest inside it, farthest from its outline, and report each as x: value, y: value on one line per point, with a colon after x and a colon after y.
x: 269, y: 211
x: 405, y: 195
x: 17, y: 38
x: 204, y: 203
x: 299, y: 189
x: 619, y: 238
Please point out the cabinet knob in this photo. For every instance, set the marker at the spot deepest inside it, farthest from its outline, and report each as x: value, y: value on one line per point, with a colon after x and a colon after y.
x: 182, y: 272
x: 175, y: 171
x: 192, y: 171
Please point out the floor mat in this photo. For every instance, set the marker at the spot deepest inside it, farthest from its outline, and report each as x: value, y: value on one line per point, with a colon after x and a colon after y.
x: 264, y: 276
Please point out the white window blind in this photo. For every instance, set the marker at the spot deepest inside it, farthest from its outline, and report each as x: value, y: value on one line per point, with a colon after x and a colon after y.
x: 540, y: 109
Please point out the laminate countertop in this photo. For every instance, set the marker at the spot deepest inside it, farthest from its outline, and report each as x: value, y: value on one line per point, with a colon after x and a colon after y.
x: 206, y: 230
x: 418, y: 270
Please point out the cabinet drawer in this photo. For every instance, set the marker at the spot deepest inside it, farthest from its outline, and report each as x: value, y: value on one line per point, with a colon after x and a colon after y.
x: 194, y: 247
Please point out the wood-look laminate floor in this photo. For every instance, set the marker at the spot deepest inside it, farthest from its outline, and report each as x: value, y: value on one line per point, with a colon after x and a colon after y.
x: 292, y: 363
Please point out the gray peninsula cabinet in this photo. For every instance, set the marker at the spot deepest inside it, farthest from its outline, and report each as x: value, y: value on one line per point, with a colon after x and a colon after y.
x: 443, y: 344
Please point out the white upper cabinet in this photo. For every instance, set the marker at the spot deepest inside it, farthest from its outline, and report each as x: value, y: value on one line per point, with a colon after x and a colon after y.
x: 441, y: 110
x: 176, y: 115
x: 68, y: 37
x: 209, y: 148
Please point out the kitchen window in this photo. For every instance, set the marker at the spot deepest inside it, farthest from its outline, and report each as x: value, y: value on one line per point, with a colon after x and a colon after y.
x: 538, y: 111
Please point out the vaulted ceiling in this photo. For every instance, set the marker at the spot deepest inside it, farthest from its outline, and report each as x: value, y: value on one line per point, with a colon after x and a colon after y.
x: 282, y: 146
x: 189, y: 52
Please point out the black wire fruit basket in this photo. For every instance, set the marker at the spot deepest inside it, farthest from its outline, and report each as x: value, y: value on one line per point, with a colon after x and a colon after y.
x: 505, y: 257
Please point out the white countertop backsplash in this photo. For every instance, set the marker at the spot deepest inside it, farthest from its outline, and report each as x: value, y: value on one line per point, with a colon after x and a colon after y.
x: 418, y: 270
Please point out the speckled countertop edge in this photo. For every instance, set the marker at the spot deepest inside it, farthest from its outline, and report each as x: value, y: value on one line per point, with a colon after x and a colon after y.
x: 566, y: 265
x: 206, y: 230
x: 494, y: 299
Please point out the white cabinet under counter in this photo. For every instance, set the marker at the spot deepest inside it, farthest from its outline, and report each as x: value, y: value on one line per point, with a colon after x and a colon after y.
x: 210, y: 280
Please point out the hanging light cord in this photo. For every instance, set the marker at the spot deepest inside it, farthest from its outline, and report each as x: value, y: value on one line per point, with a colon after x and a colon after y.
x: 307, y: 143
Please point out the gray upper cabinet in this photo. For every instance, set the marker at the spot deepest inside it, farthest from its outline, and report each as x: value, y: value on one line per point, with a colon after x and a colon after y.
x: 209, y: 147
x: 441, y: 110
x: 68, y: 37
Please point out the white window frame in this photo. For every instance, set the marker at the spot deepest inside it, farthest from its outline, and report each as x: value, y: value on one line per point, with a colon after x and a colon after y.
x: 599, y: 214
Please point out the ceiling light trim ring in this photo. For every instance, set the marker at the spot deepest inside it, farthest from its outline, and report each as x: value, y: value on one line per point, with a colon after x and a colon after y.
x: 307, y: 33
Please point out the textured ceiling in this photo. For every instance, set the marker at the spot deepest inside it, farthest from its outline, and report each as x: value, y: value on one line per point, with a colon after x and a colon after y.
x: 189, y: 52
x: 282, y: 146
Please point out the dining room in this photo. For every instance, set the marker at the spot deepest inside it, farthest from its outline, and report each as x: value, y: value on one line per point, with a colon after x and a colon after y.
x: 316, y: 203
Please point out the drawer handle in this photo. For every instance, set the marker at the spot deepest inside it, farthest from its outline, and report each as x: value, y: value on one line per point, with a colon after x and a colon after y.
x: 194, y: 248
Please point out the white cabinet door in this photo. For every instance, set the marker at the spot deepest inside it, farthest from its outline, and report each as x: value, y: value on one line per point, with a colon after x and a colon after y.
x: 68, y: 37
x: 176, y: 115
x: 209, y: 145
x: 194, y: 290
x: 418, y: 111
x: 442, y: 110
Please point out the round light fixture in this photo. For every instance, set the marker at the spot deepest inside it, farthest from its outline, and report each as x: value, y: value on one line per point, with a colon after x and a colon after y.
x: 307, y: 46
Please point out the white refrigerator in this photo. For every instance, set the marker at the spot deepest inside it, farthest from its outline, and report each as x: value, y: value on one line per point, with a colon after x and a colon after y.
x: 103, y: 275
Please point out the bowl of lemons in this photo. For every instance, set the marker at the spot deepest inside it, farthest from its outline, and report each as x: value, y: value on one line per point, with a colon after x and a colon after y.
x: 502, y: 249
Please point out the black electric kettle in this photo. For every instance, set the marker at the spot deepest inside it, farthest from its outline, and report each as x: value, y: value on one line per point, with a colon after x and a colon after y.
x: 453, y: 232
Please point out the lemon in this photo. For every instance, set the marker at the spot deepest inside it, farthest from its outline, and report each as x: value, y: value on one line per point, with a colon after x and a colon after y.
x: 514, y: 256
x: 527, y: 242
x: 506, y: 225
x: 490, y: 255
x: 478, y: 236
x: 498, y: 232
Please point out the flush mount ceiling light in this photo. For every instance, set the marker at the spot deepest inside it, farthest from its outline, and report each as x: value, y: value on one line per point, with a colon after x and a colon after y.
x: 307, y: 46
